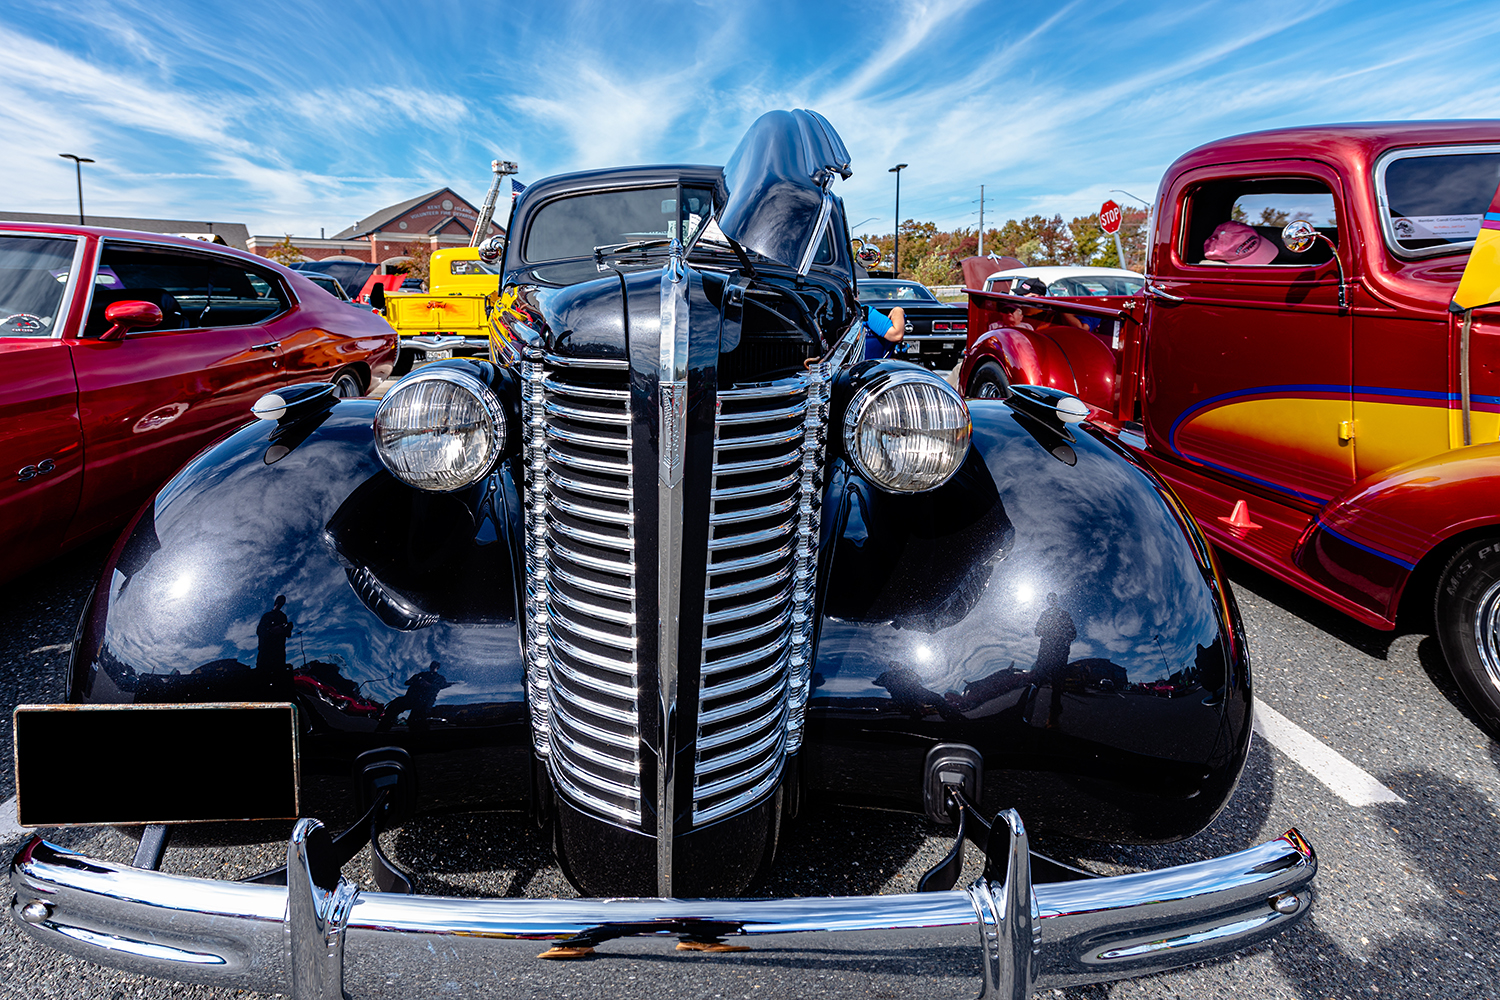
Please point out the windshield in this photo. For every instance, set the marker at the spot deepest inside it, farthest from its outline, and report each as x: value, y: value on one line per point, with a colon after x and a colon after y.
x: 571, y: 228
x: 33, y: 277
x: 876, y: 290
x: 1433, y: 200
x: 1095, y: 284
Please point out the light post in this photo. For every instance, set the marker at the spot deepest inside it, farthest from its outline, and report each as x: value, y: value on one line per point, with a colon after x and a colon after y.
x: 896, y: 240
x: 78, y: 162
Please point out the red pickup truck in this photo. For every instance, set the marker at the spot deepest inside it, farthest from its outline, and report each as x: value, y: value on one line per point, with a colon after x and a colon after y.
x: 1297, y: 369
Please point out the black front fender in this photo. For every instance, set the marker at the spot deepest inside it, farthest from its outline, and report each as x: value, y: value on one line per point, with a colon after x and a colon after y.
x: 286, y: 564
x: 1052, y: 606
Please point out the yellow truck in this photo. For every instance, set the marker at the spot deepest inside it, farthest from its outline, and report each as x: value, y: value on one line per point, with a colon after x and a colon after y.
x: 448, y: 320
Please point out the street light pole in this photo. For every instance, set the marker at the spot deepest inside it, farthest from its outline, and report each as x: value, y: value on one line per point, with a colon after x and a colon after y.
x: 896, y: 240
x: 78, y: 162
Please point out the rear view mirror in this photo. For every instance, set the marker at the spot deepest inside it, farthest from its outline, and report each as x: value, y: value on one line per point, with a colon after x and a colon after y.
x: 377, y: 296
x: 131, y: 314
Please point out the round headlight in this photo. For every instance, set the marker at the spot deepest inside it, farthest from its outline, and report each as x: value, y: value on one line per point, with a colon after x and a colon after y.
x: 439, y: 429
x: 907, y: 431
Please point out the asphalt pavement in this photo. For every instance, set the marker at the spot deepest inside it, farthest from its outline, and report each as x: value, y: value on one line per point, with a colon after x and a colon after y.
x: 1408, y: 889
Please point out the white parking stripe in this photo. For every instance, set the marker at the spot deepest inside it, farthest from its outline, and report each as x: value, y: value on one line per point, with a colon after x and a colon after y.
x: 9, y: 828
x: 1350, y: 783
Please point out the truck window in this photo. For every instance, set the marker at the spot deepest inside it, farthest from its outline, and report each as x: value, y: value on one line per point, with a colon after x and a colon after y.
x: 1432, y: 200
x: 1265, y: 204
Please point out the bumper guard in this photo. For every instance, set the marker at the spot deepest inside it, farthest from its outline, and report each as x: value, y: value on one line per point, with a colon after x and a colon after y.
x: 321, y: 938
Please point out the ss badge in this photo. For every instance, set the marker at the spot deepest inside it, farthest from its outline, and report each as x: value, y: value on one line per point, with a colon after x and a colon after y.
x: 41, y: 468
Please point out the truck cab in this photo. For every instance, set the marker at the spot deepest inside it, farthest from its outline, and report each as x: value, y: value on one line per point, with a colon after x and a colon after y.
x: 1324, y: 414
x: 449, y: 319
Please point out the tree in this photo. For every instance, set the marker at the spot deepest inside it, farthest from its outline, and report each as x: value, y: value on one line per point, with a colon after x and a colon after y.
x: 418, y: 260
x: 1033, y: 240
x: 285, y: 252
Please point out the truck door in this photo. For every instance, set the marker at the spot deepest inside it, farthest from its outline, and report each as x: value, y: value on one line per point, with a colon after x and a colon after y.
x: 1248, y: 368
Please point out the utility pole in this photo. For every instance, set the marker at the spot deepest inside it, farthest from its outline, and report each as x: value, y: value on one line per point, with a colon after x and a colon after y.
x: 896, y: 240
x: 78, y: 162
x: 981, y: 220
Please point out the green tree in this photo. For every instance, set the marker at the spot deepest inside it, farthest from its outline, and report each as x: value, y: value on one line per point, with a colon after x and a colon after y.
x: 418, y: 260
x: 285, y: 252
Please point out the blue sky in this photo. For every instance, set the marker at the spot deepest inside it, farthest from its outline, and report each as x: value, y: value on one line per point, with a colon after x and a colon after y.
x: 291, y: 117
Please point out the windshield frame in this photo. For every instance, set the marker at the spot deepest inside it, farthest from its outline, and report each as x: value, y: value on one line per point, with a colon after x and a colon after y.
x: 65, y: 306
x: 676, y: 185
x: 1383, y: 214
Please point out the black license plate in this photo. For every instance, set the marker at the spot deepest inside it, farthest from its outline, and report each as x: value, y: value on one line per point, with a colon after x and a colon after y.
x: 85, y: 765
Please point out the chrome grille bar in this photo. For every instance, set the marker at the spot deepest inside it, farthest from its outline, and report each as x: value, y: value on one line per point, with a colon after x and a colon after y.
x: 581, y: 613
x: 761, y: 465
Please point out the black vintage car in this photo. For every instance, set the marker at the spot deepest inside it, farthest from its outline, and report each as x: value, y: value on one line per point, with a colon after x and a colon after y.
x: 672, y: 561
x: 936, y: 332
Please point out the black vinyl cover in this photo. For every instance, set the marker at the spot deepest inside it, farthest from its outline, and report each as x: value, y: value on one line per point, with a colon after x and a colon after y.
x: 772, y: 186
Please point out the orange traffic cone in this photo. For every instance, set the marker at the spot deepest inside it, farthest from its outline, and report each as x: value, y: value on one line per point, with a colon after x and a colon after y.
x: 1240, y: 516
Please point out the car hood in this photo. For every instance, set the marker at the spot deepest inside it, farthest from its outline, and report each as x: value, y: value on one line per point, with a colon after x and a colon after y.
x: 770, y: 195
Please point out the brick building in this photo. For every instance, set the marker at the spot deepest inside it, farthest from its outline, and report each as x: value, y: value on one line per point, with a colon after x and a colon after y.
x: 438, y: 218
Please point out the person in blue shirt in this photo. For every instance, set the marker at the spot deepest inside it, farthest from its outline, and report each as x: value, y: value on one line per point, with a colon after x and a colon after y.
x: 882, y: 332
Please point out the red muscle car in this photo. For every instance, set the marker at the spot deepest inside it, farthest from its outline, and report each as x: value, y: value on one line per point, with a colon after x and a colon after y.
x: 126, y: 353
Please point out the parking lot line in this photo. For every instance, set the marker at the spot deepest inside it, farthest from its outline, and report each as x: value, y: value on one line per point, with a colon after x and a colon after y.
x: 1349, y: 782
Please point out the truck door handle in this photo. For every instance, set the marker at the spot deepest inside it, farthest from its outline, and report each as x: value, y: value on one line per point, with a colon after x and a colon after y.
x: 1160, y: 293
x: 269, y: 345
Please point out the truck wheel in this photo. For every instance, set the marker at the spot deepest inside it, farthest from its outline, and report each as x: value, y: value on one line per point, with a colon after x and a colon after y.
x: 403, y: 363
x: 1468, y: 625
x: 347, y: 385
x: 989, y: 382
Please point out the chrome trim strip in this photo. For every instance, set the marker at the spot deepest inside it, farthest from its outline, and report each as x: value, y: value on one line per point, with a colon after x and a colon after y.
x: 612, y: 364
x: 752, y: 537
x: 594, y: 586
x: 589, y: 440
x: 757, y: 464
x: 772, y: 624
x: 743, y: 730
x: 592, y: 610
x: 591, y: 416
x: 749, y: 586
x: 588, y: 489
x: 618, y: 396
x: 591, y: 464
x: 768, y: 390
x: 759, y: 440
x: 624, y: 692
x: 594, y: 635
x: 1028, y: 938
x: 593, y: 732
x: 755, y: 489
x: 591, y: 562
x: 755, y: 417
x: 777, y: 554
x: 769, y: 766
x: 594, y: 708
x: 825, y: 211
x: 671, y: 387
x: 592, y: 513
x: 753, y: 513
x: 744, y: 610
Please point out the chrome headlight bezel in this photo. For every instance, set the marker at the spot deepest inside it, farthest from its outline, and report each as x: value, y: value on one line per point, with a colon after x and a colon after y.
x: 858, y: 414
x: 494, y: 435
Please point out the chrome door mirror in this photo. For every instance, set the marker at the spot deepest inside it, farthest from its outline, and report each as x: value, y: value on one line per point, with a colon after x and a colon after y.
x: 1299, y: 236
x: 868, y: 254
x: 491, y: 249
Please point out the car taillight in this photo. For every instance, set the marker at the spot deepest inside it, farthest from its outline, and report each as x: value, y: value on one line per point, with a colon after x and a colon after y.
x: 938, y: 326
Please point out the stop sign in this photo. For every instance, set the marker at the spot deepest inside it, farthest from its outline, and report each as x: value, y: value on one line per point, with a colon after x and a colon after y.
x: 1109, y: 217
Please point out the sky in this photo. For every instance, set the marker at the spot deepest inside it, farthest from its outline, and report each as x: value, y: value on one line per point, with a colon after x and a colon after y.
x: 301, y: 117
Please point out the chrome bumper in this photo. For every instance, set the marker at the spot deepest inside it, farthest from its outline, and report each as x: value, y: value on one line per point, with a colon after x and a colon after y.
x: 443, y: 342
x: 324, y: 942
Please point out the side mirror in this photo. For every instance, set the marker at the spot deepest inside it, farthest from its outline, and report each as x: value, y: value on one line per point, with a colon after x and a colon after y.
x: 491, y: 249
x: 1299, y: 236
x: 377, y: 296
x: 131, y: 314
x: 868, y: 254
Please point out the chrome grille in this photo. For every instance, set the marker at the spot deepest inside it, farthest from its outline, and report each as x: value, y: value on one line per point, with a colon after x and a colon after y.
x: 755, y: 627
x: 581, y: 593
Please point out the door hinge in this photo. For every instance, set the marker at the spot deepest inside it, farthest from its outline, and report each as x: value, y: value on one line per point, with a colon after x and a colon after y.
x: 1346, y: 431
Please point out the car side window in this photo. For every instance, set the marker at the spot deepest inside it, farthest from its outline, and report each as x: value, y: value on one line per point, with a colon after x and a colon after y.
x: 192, y: 290
x: 1239, y: 221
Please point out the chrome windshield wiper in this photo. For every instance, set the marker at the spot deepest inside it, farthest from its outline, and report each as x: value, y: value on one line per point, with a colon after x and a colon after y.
x: 621, y: 249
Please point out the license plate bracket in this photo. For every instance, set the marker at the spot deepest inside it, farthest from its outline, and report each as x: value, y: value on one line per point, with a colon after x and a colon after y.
x: 90, y: 765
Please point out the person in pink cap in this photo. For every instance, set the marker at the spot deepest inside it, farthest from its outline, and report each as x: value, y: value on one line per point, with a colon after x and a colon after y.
x: 1237, y: 243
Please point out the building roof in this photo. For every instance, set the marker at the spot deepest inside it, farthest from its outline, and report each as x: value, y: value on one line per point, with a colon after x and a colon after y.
x: 374, y: 223
x: 234, y: 234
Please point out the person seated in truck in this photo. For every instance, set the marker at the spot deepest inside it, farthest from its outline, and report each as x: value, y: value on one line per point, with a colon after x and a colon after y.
x: 1045, y: 316
x: 1237, y: 243
x: 883, y: 332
